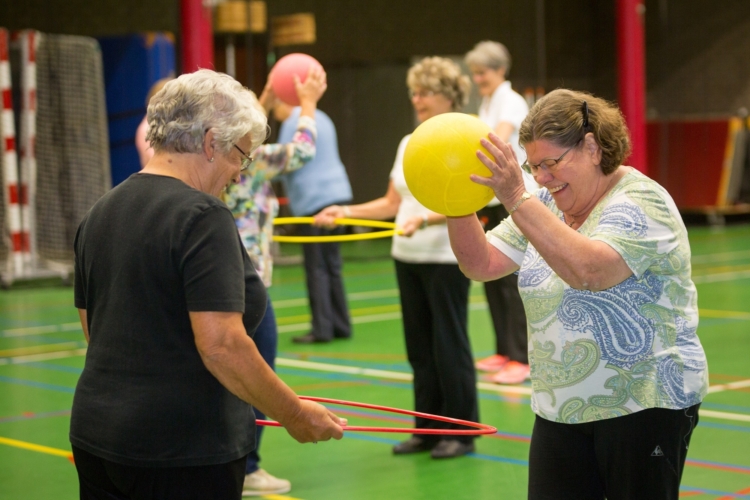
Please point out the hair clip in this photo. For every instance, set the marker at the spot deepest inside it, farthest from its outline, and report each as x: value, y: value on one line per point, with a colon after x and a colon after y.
x: 585, y: 111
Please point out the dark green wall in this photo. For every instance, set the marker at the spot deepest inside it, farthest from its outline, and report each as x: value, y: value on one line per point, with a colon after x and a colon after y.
x: 698, y: 54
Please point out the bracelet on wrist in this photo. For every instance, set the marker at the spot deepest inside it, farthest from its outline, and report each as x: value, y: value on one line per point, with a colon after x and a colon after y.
x: 347, y: 212
x: 424, y: 222
x: 525, y: 196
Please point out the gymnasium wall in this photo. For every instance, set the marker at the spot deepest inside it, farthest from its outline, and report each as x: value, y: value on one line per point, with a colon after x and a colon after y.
x: 698, y: 54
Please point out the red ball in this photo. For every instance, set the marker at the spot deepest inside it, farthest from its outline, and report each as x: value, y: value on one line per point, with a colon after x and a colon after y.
x: 282, y: 75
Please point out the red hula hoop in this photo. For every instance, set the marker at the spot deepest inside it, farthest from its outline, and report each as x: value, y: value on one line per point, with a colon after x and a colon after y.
x: 477, y: 428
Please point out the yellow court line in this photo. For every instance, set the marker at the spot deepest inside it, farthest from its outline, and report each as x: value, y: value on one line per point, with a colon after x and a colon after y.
x: 35, y: 447
x: 716, y: 313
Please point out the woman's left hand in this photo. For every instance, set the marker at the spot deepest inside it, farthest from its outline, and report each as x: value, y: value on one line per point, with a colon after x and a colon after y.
x: 411, y: 225
x: 507, y: 179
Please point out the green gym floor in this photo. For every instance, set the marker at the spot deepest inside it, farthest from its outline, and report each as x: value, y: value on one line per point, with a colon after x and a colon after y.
x: 42, y: 353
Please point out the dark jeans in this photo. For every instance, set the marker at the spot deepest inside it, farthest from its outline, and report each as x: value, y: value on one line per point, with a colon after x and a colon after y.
x: 101, y: 479
x: 434, y: 308
x: 504, y: 302
x: 266, y: 339
x: 636, y: 457
x: 325, y: 285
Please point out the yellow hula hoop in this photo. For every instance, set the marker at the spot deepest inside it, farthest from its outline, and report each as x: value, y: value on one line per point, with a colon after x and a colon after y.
x: 334, y: 238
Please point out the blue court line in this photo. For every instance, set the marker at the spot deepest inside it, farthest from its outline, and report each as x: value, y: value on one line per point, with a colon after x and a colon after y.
x: 37, y: 385
x: 719, y: 406
x: 726, y: 427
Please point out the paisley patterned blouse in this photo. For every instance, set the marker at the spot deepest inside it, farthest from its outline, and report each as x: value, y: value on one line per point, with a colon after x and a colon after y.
x: 253, y: 202
x: 598, y: 355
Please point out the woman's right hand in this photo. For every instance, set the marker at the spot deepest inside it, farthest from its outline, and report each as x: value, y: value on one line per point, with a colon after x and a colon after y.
x: 506, y: 180
x: 313, y: 87
x: 314, y: 422
x: 327, y: 217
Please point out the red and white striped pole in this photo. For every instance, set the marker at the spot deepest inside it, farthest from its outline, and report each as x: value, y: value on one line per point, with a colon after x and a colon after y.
x: 29, y: 40
x: 13, y: 192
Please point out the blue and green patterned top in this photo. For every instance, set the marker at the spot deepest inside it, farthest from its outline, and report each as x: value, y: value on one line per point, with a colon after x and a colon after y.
x: 253, y: 202
x: 598, y: 355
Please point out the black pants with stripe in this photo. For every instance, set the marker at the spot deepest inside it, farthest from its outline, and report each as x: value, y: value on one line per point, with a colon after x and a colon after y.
x: 636, y: 457
x: 504, y: 302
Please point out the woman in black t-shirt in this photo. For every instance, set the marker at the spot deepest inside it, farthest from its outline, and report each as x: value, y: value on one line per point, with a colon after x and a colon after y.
x: 167, y: 296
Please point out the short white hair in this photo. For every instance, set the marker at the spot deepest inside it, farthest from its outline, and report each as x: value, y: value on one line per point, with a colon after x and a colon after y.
x: 181, y: 113
x: 493, y: 55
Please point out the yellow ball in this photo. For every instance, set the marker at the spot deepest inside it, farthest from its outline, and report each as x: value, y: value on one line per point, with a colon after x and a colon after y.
x: 438, y: 159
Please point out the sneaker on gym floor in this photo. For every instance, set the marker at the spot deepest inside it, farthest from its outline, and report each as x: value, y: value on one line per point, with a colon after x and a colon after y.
x: 261, y: 482
x: 493, y: 363
x: 512, y: 373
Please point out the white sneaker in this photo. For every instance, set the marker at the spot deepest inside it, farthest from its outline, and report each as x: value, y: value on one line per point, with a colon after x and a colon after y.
x: 261, y: 482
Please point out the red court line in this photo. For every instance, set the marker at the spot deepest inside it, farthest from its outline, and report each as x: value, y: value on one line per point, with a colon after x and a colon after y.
x: 741, y: 492
x: 728, y: 468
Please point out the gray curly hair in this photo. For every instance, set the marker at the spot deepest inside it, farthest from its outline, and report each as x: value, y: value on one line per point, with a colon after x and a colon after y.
x: 181, y: 113
x: 442, y: 76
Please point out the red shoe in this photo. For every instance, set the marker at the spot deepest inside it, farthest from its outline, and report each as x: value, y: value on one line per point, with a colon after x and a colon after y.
x: 512, y: 373
x: 494, y: 363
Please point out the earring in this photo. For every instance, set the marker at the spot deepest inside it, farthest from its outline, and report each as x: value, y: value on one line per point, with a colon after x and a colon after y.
x: 211, y: 160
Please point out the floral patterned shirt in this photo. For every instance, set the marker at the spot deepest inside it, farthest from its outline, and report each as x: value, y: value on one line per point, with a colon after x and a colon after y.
x: 253, y: 202
x: 598, y: 355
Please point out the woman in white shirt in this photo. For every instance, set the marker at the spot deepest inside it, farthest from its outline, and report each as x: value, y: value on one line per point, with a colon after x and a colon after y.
x: 434, y: 292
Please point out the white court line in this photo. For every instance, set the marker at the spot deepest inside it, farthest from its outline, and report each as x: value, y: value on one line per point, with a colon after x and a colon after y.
x: 724, y: 415
x: 43, y: 357
x: 715, y: 257
x: 36, y: 330
x: 740, y: 384
x: 390, y: 375
x: 714, y: 278
x: 368, y: 372
x: 370, y: 318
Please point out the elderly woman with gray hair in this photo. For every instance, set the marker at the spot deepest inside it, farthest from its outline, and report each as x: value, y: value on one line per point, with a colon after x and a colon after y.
x: 434, y: 293
x: 167, y: 296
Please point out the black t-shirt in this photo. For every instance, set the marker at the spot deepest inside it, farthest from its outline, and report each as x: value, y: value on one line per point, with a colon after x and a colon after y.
x: 148, y: 252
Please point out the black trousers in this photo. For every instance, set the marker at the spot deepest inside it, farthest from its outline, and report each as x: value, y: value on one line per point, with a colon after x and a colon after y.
x: 504, y: 302
x: 434, y: 308
x: 325, y: 285
x: 101, y: 479
x: 636, y: 457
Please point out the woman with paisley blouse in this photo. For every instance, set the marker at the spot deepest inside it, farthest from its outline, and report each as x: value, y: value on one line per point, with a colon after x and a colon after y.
x: 254, y: 206
x: 617, y: 370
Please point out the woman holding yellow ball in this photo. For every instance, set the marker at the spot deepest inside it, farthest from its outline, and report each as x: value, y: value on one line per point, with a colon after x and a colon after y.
x: 434, y: 292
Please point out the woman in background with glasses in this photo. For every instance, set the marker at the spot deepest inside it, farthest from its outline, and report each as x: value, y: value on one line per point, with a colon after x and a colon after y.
x: 618, y: 372
x: 434, y: 293
x: 503, y: 110
x: 254, y: 206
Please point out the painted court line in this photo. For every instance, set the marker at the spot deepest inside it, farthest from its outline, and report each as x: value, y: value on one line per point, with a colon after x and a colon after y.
x: 35, y: 447
x: 740, y: 384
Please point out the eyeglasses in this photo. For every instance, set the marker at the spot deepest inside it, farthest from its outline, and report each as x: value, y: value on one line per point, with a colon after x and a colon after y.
x: 246, y: 159
x: 421, y: 93
x: 549, y: 164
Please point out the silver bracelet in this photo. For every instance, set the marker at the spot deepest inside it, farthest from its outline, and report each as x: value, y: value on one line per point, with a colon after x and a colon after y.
x: 347, y: 212
x: 525, y: 196
x: 424, y: 222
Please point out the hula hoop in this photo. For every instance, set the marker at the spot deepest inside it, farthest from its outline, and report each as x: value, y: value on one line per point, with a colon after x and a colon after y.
x: 390, y: 226
x: 477, y: 428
